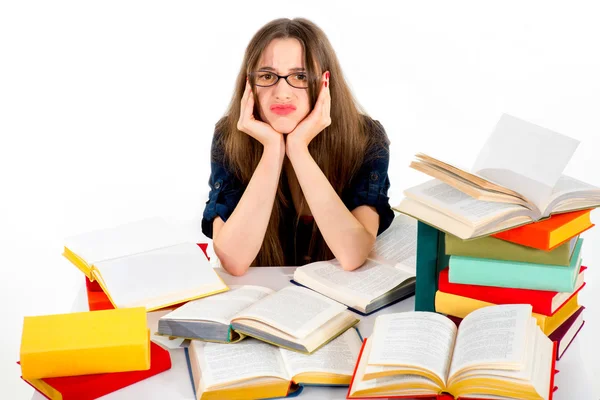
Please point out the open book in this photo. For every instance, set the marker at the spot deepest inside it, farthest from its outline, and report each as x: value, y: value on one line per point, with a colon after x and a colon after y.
x: 498, y: 352
x: 144, y: 263
x: 517, y: 178
x: 293, y: 317
x: 387, y: 276
x: 256, y: 370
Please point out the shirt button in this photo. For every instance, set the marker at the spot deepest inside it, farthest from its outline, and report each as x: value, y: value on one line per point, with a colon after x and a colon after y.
x: 217, y: 185
x: 374, y: 176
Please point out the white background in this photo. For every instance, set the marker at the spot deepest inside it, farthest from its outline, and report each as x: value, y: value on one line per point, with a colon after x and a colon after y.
x: 107, y: 111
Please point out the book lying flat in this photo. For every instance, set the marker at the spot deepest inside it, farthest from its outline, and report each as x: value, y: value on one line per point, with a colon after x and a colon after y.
x: 387, y: 276
x: 513, y: 274
x: 565, y: 334
x: 550, y: 233
x: 511, y: 183
x: 256, y: 370
x: 85, y: 343
x: 295, y: 318
x: 144, y: 263
x: 424, y: 354
x: 498, y: 249
x: 543, y: 302
x: 88, y: 387
x: 459, y: 306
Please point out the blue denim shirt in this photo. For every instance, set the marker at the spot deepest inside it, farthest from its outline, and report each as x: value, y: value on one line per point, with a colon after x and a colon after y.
x: 369, y: 186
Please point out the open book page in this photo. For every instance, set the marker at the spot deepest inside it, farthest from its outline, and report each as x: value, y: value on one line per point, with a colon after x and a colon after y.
x: 360, y: 383
x: 398, y: 245
x: 127, y: 239
x: 294, y: 310
x: 250, y: 358
x: 567, y: 187
x: 220, y: 307
x: 146, y: 278
x: 525, y: 157
x: 336, y: 357
x: 362, y: 285
x: 455, y: 203
x: 413, y: 339
x: 496, y: 335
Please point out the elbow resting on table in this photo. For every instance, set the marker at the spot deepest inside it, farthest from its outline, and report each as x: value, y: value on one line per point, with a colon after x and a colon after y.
x: 350, y: 264
x: 232, y: 266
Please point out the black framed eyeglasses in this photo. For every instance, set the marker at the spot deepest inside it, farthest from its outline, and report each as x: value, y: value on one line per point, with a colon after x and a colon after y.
x: 298, y: 80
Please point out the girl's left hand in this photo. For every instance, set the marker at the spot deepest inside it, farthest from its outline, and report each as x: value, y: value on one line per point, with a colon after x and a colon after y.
x: 318, y: 119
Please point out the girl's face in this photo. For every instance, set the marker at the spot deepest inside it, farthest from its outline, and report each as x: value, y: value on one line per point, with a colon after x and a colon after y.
x: 281, y: 105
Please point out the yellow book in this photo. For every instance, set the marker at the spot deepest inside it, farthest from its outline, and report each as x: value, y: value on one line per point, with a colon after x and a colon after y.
x: 146, y: 263
x: 253, y: 369
x: 85, y: 343
x: 460, y: 306
x: 497, y: 352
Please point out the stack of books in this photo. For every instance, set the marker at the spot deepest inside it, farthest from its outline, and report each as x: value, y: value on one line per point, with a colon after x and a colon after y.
x: 512, y: 228
x: 538, y: 264
x: 87, y: 355
x: 134, y: 274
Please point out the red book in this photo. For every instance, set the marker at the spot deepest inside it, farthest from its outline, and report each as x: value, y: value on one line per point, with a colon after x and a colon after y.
x: 98, y: 300
x: 543, y: 302
x: 87, y: 387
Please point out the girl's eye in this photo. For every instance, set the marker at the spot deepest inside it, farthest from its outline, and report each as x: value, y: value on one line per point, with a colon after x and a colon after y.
x: 301, y: 77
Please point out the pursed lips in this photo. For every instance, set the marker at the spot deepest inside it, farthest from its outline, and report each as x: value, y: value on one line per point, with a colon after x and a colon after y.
x: 282, y: 109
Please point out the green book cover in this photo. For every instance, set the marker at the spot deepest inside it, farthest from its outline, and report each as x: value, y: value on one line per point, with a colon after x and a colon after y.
x: 431, y: 259
x: 514, y: 274
x: 498, y: 249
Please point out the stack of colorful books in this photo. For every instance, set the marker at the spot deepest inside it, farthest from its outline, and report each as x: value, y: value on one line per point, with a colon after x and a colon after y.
x: 538, y: 264
x: 87, y: 355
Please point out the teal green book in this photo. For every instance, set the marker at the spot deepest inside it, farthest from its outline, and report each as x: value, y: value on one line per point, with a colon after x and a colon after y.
x: 514, y: 274
x: 431, y: 259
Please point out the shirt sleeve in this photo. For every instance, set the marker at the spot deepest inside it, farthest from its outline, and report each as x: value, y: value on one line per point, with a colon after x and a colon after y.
x: 370, y: 184
x: 225, y: 189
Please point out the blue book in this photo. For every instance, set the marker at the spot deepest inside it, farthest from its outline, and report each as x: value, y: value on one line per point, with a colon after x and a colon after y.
x: 514, y: 274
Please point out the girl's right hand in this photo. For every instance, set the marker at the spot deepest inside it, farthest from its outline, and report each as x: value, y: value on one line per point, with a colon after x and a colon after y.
x: 259, y: 130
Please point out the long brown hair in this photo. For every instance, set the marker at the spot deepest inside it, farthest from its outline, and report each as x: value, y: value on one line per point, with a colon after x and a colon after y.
x: 338, y: 150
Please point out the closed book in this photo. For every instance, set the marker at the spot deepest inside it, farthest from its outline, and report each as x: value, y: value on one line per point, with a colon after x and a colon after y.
x: 543, y: 302
x: 431, y: 259
x: 498, y: 249
x: 513, y: 274
x: 459, y: 306
x: 551, y: 232
x: 88, y: 387
x: 85, y: 343
x: 565, y: 334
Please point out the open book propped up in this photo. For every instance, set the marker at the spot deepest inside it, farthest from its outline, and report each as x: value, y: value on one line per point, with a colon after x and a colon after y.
x: 498, y: 352
x: 145, y: 263
x: 517, y: 178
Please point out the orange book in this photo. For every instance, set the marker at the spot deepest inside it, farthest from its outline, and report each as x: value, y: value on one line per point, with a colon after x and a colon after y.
x: 551, y: 232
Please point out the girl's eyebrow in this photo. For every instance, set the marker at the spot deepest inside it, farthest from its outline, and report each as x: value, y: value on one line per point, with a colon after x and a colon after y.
x: 274, y: 70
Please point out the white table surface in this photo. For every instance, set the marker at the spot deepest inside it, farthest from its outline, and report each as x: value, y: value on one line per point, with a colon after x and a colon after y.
x: 577, y: 379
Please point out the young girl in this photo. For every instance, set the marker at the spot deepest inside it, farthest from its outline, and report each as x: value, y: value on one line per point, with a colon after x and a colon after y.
x: 298, y: 172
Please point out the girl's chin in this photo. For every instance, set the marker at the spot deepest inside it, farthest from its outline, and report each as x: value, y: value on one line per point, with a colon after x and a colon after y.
x: 284, y: 126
